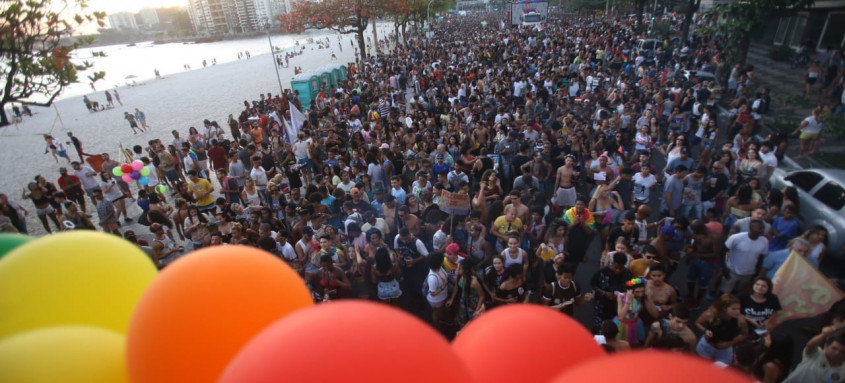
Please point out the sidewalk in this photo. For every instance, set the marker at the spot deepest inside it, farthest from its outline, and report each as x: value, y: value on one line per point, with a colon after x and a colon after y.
x: 789, y: 108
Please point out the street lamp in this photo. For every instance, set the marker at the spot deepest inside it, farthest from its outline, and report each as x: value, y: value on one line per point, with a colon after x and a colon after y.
x: 273, y: 57
x: 427, y: 17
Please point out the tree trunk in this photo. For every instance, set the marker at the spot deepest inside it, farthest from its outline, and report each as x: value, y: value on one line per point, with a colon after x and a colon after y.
x: 362, y: 44
x: 742, y: 49
x: 4, y: 120
x: 692, y: 7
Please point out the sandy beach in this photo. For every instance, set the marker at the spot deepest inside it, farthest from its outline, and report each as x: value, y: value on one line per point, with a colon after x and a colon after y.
x: 175, y: 102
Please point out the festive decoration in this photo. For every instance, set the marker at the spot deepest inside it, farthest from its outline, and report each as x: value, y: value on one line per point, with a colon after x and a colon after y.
x: 542, y: 331
x: 72, y: 278
x: 68, y: 354
x: 300, y: 348
x: 206, y: 306
x: 9, y: 242
x: 674, y: 367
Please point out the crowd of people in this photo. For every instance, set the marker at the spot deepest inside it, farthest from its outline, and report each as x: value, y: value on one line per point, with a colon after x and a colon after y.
x: 566, y: 142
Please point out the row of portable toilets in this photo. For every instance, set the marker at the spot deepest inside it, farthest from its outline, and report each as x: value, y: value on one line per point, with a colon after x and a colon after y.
x: 311, y: 82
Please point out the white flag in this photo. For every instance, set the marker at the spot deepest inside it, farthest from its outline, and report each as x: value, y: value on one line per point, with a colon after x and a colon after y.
x: 297, y: 119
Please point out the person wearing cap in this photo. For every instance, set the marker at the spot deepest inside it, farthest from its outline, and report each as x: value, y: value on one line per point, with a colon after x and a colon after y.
x: 358, y: 202
x: 683, y: 159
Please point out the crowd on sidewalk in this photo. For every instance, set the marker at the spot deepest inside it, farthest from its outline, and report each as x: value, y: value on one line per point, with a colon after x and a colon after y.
x: 552, y: 135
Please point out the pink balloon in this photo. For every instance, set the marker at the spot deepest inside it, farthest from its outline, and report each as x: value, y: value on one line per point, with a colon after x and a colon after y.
x: 126, y: 178
x: 137, y: 165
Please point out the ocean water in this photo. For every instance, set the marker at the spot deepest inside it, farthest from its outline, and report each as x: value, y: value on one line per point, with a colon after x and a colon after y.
x: 127, y: 64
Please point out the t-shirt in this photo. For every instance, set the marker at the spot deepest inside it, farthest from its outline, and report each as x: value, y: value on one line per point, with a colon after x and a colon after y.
x: 813, y: 126
x: 775, y: 259
x: 675, y: 186
x: 642, y: 186
x: 744, y: 252
x: 789, y: 229
x: 437, y: 281
x: 260, y: 177
x: 507, y: 228
x: 559, y: 295
x: 759, y: 311
x: 88, y: 182
x: 200, y: 187
x: 693, y: 186
x: 815, y: 368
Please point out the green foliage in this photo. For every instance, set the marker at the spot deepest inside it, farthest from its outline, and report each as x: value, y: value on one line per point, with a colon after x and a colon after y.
x: 35, y: 63
x: 833, y: 125
x: 781, y: 53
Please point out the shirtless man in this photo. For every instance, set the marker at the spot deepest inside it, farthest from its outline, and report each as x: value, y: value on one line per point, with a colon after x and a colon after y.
x: 662, y: 294
x: 564, y: 186
x: 480, y: 136
x: 412, y: 222
x: 707, y: 249
x: 388, y: 209
x: 522, y: 211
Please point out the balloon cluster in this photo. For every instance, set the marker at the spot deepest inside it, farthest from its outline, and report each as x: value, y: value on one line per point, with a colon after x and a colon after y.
x: 73, y: 312
x: 133, y: 172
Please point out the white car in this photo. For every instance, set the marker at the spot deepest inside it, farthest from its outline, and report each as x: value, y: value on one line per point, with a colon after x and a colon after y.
x: 821, y: 195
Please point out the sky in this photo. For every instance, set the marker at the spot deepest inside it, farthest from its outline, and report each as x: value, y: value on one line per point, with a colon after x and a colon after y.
x: 115, y: 6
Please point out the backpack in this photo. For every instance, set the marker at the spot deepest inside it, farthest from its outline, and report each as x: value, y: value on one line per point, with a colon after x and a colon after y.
x: 425, y: 289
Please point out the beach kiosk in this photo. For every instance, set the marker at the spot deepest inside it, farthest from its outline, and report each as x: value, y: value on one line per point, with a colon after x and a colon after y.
x: 308, y: 84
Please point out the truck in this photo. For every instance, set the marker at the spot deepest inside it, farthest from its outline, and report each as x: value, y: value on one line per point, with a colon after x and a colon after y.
x: 528, y: 13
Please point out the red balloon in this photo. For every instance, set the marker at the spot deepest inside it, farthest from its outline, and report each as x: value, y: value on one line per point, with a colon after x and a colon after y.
x: 126, y: 168
x: 650, y: 367
x: 523, y: 343
x: 353, y: 341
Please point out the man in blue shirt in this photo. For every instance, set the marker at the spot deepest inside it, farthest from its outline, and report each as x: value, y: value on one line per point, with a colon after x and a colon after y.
x: 775, y: 259
x: 784, y: 228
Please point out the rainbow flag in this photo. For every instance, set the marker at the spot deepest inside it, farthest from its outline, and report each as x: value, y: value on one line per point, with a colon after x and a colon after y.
x: 585, y: 216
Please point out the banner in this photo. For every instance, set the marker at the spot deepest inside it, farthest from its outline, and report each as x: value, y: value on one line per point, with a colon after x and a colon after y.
x: 454, y: 203
x: 803, y: 291
x: 297, y: 119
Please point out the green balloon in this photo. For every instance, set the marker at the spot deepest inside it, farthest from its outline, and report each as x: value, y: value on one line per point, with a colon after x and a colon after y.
x: 145, y: 171
x: 116, y: 171
x: 9, y: 242
x: 161, y: 189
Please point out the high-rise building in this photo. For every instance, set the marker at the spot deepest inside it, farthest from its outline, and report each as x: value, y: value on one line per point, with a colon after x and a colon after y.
x: 148, y: 17
x: 123, y: 20
x: 235, y: 16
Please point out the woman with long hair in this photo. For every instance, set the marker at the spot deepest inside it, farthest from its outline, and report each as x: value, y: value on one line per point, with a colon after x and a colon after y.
x: 790, y: 197
x: 41, y: 200
x: 750, y: 166
x: 470, y: 293
x: 817, y: 237
x: 385, y: 274
x: 723, y: 326
x: 760, y: 304
x: 740, y: 205
x: 195, y: 226
x: 510, y: 287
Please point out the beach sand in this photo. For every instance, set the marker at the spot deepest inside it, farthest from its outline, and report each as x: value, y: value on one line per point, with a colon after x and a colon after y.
x: 175, y: 102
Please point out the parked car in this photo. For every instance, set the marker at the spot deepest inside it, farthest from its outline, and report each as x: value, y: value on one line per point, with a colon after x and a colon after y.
x: 821, y: 194
x: 699, y: 76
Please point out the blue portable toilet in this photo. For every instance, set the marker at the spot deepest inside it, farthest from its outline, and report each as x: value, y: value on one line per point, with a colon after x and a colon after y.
x: 308, y: 85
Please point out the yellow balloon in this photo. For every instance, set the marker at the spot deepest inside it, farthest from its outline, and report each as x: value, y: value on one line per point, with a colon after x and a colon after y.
x: 72, y: 278
x: 68, y: 354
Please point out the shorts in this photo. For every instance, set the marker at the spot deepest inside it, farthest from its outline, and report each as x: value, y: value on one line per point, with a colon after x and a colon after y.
x: 435, y: 305
x: 389, y: 290
x: 172, y: 175
x: 565, y: 197
x: 808, y: 136
x: 63, y: 153
x: 307, y: 163
x: 122, y: 196
x: 47, y: 210
x: 701, y: 272
x: 811, y: 80
x: 735, y: 282
x: 92, y: 190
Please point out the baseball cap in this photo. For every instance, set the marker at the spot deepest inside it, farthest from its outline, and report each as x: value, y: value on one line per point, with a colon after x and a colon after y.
x: 452, y: 248
x: 384, y: 146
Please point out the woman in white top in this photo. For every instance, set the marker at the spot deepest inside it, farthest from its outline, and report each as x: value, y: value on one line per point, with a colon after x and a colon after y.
x: 250, y: 194
x: 113, y: 193
x: 817, y: 236
x: 642, y: 140
x: 438, y: 288
x: 514, y: 253
x: 811, y: 133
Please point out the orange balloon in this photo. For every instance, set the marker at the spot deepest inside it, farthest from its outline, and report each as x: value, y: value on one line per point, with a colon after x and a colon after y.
x: 352, y: 341
x: 201, y: 309
x: 650, y: 367
x: 523, y: 343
